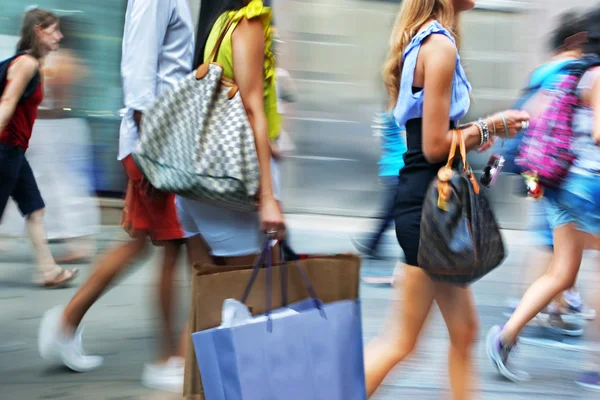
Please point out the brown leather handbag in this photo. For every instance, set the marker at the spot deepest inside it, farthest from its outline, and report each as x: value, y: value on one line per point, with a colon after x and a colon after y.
x: 460, y: 241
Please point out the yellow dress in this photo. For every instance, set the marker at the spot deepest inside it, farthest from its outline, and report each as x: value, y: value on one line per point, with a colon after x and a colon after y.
x: 255, y: 9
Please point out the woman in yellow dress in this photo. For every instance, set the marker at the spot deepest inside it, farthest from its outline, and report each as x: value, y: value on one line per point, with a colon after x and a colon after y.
x: 235, y: 237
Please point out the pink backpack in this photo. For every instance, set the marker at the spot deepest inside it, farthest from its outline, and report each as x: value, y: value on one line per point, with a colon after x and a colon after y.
x: 546, y: 148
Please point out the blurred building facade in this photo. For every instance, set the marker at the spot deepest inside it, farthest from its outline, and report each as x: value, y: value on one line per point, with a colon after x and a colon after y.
x: 333, y: 50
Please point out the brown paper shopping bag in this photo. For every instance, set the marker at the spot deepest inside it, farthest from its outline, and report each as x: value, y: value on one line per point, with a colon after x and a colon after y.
x: 333, y: 278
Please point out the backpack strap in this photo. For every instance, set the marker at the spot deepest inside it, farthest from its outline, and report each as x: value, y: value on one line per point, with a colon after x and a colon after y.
x: 579, y: 67
x: 31, y: 86
x: 530, y: 90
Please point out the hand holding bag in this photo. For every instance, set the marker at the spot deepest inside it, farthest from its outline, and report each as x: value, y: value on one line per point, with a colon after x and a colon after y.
x: 309, y: 350
x: 460, y: 241
x: 335, y: 279
x: 197, y: 141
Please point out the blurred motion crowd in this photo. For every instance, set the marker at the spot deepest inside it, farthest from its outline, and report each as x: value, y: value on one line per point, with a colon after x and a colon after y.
x: 444, y: 225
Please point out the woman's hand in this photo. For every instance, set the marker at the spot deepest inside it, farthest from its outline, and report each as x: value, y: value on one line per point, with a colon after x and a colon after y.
x: 488, y: 145
x: 271, y: 218
x: 275, y: 153
x: 516, y: 120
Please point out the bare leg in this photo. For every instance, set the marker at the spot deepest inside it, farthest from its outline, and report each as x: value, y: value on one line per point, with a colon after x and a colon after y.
x: 108, y: 267
x: 166, y: 296
x: 458, y: 309
x: 593, y: 330
x: 402, y: 328
x: 37, y: 234
x: 568, y: 252
x: 198, y: 254
x: 541, y: 262
x: 183, y: 341
x: 79, y: 250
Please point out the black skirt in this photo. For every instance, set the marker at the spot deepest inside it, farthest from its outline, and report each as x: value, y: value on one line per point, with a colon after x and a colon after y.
x: 415, y: 178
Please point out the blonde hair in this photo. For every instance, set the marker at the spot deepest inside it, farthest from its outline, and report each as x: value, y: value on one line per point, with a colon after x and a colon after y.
x: 412, y: 16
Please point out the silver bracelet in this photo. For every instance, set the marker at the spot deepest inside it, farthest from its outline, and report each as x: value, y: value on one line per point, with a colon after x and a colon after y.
x: 505, y: 126
x: 482, y: 140
x: 493, y: 125
x: 486, y: 130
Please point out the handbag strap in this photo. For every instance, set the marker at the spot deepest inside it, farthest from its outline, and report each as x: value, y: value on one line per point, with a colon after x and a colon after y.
x: 458, y: 140
x: 453, y: 146
x: 467, y: 170
x: 215, y: 52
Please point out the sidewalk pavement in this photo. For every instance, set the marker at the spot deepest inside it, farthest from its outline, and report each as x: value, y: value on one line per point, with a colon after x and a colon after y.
x: 122, y: 325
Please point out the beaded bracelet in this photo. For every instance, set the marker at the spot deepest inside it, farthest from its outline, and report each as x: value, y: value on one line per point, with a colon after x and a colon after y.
x: 482, y: 140
x: 484, y: 131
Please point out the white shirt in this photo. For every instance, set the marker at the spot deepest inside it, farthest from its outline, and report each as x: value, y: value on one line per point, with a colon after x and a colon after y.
x: 158, y: 51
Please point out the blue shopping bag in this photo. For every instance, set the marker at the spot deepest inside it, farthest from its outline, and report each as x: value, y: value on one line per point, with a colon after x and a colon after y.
x: 314, y: 352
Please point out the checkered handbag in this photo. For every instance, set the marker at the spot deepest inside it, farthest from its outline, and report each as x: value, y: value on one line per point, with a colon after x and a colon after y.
x: 197, y: 141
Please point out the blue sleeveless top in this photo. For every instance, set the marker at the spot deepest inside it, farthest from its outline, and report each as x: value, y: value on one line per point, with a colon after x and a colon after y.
x: 418, y: 173
x: 410, y: 105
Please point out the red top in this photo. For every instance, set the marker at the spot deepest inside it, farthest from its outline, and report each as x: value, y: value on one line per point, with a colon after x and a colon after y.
x: 19, y: 128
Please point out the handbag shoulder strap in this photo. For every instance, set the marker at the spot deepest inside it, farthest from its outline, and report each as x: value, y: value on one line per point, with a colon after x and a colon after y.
x: 215, y: 52
x: 453, y: 146
x: 458, y: 140
x: 466, y: 167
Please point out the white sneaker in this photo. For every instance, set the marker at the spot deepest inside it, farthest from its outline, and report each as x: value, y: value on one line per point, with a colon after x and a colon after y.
x: 167, y: 377
x: 48, y: 334
x: 55, y: 346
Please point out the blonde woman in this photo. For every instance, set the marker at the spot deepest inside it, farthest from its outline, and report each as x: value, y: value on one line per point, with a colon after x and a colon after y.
x: 428, y: 94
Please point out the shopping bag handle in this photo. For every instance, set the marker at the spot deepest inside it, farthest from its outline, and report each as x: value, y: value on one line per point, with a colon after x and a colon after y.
x: 266, y: 257
x: 305, y: 279
x: 255, y: 269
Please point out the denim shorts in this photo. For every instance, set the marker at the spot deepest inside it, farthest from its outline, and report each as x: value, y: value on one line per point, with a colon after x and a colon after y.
x: 577, y: 201
x: 539, y: 224
x: 228, y: 233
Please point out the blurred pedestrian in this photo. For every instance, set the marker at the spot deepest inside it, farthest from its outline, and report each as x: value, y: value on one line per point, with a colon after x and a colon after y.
x: 158, y: 51
x: 60, y: 152
x: 429, y: 92
x: 573, y: 210
x: 287, y: 95
x: 566, y: 43
x: 283, y: 146
x: 393, y: 146
x: 23, y: 92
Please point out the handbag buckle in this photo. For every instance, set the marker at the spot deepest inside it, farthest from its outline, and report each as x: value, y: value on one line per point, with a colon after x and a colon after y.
x: 442, y: 204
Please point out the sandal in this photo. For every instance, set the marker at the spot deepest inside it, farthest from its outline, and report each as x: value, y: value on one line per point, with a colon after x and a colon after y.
x: 74, y: 258
x: 61, y: 279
